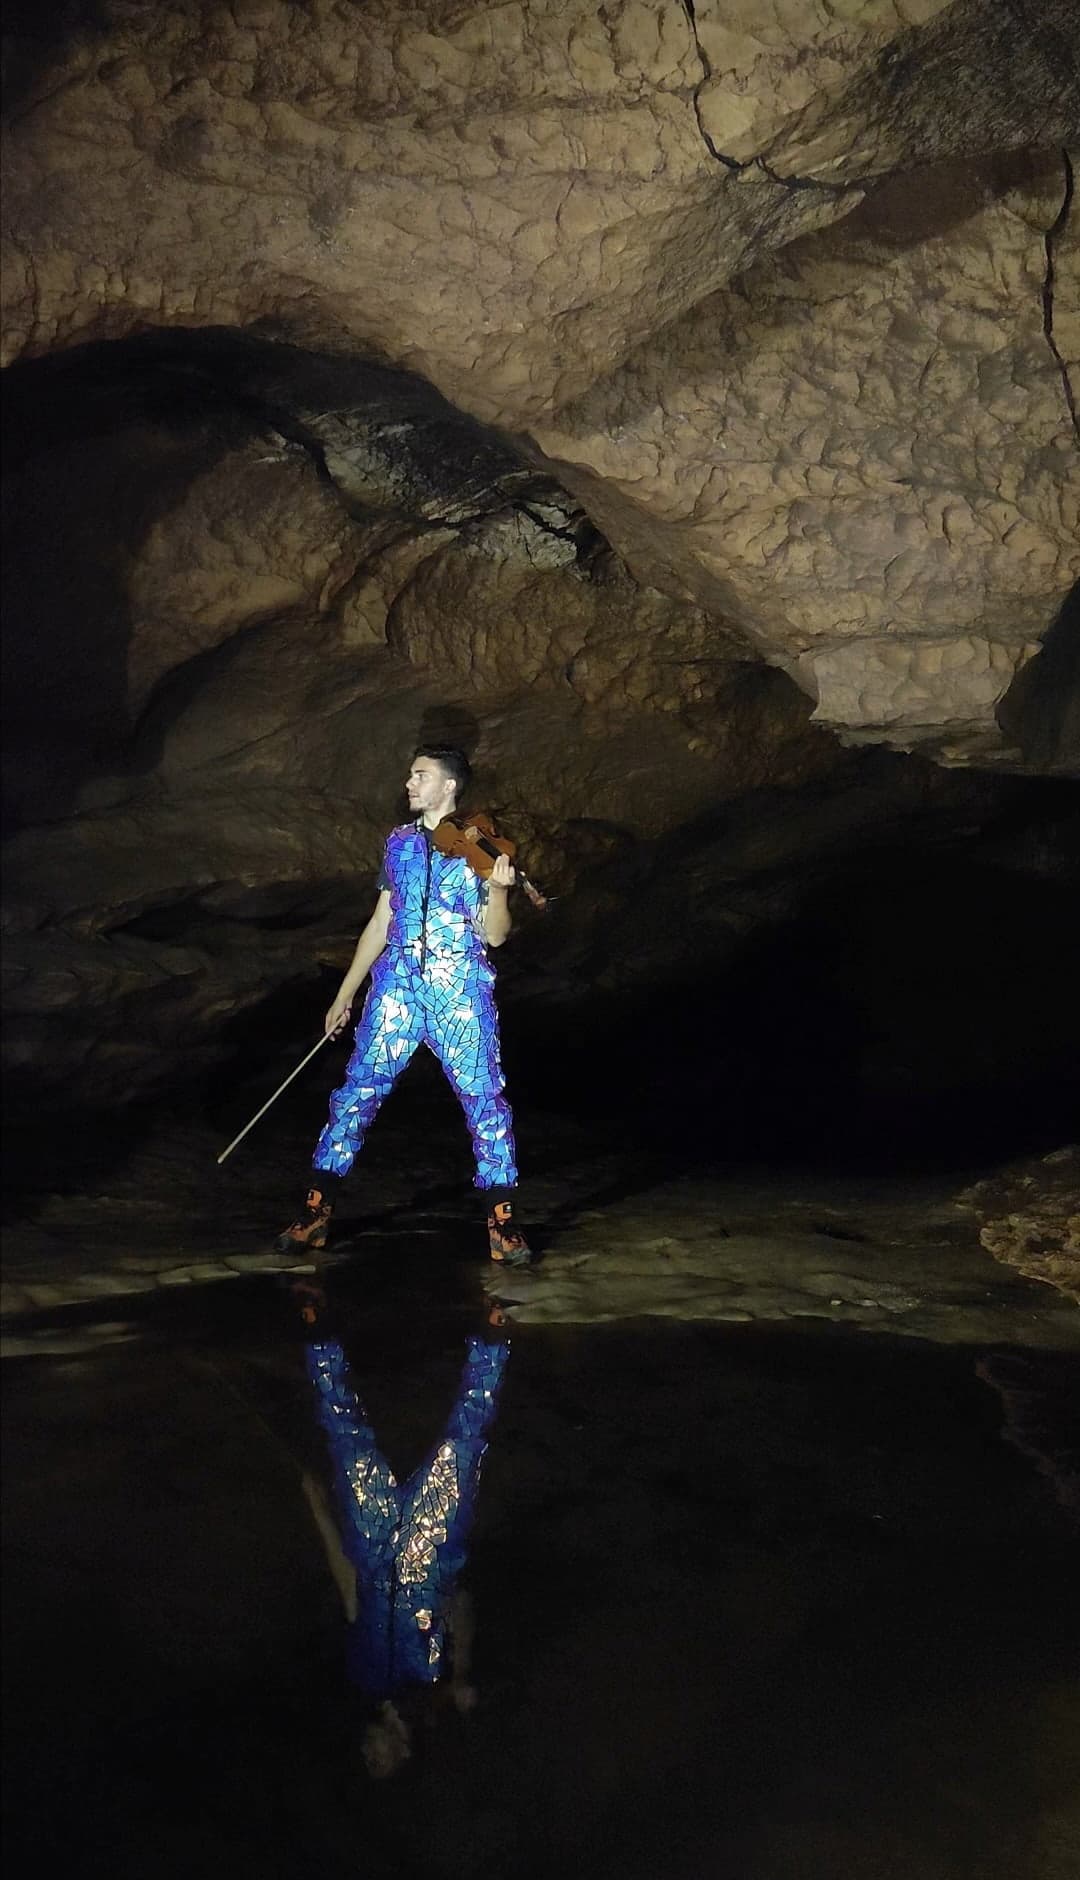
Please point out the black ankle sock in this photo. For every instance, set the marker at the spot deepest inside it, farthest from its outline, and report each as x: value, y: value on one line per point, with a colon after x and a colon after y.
x: 491, y: 1197
x: 328, y: 1185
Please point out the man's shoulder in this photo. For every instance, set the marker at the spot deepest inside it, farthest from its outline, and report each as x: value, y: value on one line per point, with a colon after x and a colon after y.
x: 399, y: 842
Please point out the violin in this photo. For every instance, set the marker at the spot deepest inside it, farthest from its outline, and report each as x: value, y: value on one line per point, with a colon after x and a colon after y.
x: 476, y: 840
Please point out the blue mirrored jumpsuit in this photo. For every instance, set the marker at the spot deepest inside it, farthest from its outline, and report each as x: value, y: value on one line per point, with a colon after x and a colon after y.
x: 406, y: 1541
x: 432, y: 984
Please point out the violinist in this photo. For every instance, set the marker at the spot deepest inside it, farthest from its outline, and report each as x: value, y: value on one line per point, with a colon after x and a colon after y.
x: 432, y: 983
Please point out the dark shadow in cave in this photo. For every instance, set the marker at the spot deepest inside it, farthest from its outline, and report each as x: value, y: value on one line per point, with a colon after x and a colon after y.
x: 1041, y: 708
x: 101, y: 440
x: 934, y: 199
x: 910, y: 1003
x: 172, y: 695
x: 38, y: 34
x: 446, y: 722
x: 95, y: 450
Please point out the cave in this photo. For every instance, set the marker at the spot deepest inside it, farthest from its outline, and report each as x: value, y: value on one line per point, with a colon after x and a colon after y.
x: 675, y: 410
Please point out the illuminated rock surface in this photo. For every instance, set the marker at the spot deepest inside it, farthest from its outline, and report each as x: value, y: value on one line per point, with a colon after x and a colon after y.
x: 787, y: 296
x: 1030, y: 1219
x: 645, y: 397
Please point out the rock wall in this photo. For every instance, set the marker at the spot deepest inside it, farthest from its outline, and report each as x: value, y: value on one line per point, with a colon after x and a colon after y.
x: 1029, y: 1218
x: 862, y: 454
x: 638, y: 394
x: 631, y: 236
x: 261, y: 622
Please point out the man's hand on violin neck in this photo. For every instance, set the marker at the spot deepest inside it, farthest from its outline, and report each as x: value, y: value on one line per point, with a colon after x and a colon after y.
x: 502, y: 873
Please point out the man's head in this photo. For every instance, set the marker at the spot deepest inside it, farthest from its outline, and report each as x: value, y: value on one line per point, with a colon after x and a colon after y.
x: 437, y: 776
x: 387, y: 1743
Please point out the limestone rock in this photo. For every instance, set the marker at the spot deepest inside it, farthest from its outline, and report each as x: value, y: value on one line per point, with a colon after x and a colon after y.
x: 273, y: 657
x: 862, y: 454
x: 755, y: 95
x: 1030, y: 1217
x: 604, y: 388
x: 255, y: 536
x: 333, y: 172
x: 629, y: 237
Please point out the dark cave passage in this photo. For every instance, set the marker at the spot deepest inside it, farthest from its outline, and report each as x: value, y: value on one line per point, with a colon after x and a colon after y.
x: 916, y: 1007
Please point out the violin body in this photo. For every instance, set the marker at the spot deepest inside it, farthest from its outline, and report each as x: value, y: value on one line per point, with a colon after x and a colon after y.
x: 477, y: 841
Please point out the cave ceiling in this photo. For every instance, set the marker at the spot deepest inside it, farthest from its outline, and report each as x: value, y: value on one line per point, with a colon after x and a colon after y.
x: 787, y: 296
x: 657, y: 398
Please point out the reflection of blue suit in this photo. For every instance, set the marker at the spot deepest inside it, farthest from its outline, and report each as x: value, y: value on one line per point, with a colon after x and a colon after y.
x: 432, y: 984
x: 406, y: 1542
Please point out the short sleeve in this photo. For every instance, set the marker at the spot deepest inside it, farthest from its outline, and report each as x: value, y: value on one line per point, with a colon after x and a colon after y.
x: 383, y: 882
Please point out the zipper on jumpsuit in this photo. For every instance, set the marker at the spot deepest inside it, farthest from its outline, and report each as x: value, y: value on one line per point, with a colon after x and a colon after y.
x: 391, y: 1657
x: 429, y: 845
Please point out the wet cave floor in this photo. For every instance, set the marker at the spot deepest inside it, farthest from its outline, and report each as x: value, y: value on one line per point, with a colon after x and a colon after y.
x: 768, y: 1580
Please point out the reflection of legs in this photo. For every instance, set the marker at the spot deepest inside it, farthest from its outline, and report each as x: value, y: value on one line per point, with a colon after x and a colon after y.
x: 463, y: 1032
x: 389, y: 1031
x: 440, y: 1496
x: 367, y: 1492
x: 369, y: 1502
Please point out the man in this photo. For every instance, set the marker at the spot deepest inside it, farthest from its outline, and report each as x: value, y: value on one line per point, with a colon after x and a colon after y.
x: 426, y: 948
x: 398, y: 1556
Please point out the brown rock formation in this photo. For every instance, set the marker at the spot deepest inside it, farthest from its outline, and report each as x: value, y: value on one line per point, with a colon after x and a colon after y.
x: 862, y: 453
x: 858, y: 453
x: 740, y: 348
x: 255, y: 536
x: 260, y: 655
x: 1030, y: 1218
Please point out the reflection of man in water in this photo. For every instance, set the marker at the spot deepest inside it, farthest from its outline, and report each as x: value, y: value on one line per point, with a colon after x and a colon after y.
x: 402, y: 1545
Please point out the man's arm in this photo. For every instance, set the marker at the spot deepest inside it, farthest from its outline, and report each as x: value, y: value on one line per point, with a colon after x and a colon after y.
x: 497, y: 911
x: 368, y: 948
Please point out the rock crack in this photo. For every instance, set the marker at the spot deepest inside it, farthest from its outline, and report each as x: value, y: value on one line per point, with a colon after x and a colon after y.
x: 1053, y: 232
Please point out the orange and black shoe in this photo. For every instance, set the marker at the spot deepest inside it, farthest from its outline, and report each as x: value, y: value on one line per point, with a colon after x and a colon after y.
x: 310, y: 1301
x: 496, y: 1325
x: 507, y: 1244
x: 308, y: 1232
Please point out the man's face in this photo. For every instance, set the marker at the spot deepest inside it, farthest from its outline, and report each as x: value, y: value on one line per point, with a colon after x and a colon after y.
x: 428, y: 787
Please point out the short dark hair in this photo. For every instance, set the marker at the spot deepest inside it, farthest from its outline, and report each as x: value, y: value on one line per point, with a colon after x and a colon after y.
x: 453, y: 761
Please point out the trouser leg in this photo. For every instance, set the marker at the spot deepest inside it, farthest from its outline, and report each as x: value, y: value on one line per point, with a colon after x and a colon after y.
x: 368, y: 1499
x: 369, y: 1505
x: 442, y: 1492
x: 463, y: 1032
x: 389, y: 1031
x: 491, y: 1126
